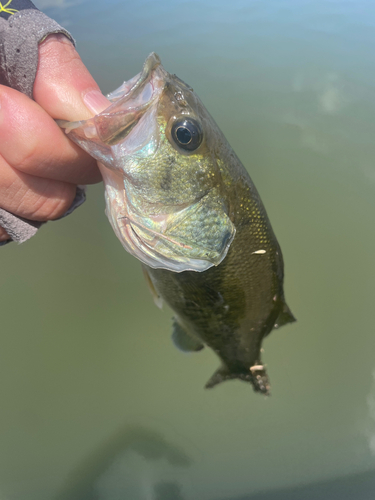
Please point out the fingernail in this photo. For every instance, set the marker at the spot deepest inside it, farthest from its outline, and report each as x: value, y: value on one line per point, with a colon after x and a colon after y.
x: 96, y: 101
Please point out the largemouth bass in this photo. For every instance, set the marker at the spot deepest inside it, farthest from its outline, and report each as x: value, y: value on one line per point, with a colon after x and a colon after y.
x: 179, y: 200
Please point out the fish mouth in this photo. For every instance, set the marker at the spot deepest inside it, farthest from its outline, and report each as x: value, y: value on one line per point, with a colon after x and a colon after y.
x: 130, y: 102
x: 151, y: 63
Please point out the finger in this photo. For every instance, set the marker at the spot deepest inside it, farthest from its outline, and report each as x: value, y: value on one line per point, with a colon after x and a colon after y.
x: 42, y: 148
x: 4, y: 235
x: 63, y: 85
x: 33, y: 197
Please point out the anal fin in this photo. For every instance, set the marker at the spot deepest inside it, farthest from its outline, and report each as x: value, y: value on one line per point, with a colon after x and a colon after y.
x: 183, y: 341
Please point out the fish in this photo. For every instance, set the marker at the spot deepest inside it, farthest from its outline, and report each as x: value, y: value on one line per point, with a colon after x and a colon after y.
x: 180, y: 201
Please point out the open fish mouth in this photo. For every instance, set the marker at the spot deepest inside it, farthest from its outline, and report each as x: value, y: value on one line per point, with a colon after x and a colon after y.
x: 129, y: 103
x: 135, y: 86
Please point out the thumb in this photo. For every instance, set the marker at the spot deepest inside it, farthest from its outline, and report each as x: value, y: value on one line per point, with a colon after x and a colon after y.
x: 63, y: 86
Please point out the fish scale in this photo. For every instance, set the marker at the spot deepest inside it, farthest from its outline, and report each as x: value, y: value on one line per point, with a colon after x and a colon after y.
x: 233, y: 306
x: 180, y: 201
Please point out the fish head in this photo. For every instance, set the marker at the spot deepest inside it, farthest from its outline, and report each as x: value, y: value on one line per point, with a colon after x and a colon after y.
x: 159, y: 153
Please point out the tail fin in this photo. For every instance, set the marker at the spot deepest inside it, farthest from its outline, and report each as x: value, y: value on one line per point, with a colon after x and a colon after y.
x: 219, y: 376
x: 256, y: 375
x: 285, y: 316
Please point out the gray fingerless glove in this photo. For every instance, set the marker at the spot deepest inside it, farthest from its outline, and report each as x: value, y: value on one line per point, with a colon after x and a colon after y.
x: 22, y: 28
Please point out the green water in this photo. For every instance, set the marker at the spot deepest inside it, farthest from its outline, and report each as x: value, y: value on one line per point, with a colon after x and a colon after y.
x: 96, y: 403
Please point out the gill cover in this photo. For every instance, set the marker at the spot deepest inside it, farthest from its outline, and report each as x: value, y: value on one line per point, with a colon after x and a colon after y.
x: 179, y: 228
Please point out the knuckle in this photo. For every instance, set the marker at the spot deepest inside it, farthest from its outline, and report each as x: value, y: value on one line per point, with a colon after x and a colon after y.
x: 62, y: 53
x: 53, y: 206
x: 27, y: 157
x: 33, y: 159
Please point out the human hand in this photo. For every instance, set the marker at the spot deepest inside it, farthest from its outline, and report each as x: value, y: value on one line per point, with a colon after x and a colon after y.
x: 40, y: 167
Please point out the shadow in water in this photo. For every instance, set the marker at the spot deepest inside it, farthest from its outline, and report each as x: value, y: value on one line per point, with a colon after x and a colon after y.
x: 354, y: 487
x: 168, y: 491
x: 125, y: 466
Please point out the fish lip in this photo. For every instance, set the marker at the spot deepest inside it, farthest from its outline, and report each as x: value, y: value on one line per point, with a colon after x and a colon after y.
x: 151, y: 63
x: 147, y: 75
x: 117, y: 121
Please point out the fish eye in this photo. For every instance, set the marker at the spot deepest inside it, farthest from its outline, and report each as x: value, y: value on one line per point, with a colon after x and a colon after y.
x: 187, y: 133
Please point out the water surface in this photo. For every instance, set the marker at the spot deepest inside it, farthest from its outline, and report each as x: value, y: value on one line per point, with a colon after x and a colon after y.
x: 96, y: 403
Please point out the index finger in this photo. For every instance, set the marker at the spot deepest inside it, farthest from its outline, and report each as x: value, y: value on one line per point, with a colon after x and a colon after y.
x: 43, y: 149
x: 63, y: 85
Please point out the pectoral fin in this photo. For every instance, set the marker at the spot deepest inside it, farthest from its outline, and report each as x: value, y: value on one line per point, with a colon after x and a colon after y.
x: 158, y: 301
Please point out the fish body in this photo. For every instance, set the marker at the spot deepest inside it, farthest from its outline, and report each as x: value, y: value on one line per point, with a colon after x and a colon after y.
x: 179, y: 200
x: 233, y: 306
